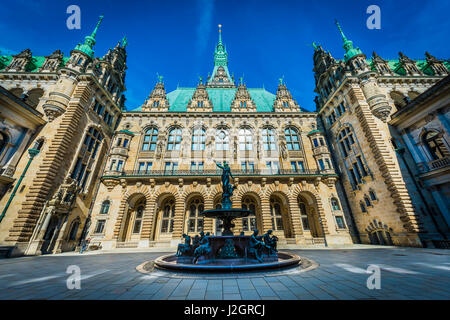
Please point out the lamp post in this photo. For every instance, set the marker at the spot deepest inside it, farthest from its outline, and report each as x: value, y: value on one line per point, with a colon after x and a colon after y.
x: 32, y: 153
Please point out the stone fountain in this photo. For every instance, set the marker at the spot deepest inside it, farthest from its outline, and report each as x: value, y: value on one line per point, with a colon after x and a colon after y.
x: 229, y: 252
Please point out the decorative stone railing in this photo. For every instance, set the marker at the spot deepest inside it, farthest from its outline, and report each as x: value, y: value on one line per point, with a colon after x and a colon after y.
x: 237, y: 173
x: 434, y: 165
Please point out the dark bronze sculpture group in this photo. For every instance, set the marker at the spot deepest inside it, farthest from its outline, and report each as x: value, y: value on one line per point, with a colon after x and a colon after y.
x: 228, y: 246
x: 256, y: 248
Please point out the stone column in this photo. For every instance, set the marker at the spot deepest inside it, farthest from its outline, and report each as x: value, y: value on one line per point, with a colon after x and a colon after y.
x: 178, y: 223
x: 208, y: 223
x: 295, y: 218
x: 60, y: 239
x: 265, y: 213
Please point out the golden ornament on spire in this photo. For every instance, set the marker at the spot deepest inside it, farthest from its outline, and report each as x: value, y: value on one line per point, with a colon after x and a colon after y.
x: 220, y: 26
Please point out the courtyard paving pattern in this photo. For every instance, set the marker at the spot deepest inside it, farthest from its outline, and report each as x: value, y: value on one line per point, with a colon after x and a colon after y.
x: 406, y: 273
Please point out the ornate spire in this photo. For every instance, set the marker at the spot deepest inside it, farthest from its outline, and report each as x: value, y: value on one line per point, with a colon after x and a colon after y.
x: 88, y: 46
x: 220, y: 76
x: 348, y: 45
x: 220, y: 54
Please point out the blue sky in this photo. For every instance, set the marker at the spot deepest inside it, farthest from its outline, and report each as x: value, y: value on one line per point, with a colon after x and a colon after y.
x: 265, y: 39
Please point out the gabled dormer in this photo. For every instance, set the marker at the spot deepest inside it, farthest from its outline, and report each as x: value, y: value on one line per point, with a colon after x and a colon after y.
x: 242, y: 101
x: 284, y: 101
x: 380, y: 65
x: 407, y: 66
x: 52, y: 62
x: 435, y: 66
x: 200, y: 100
x: 157, y: 100
x: 20, y: 62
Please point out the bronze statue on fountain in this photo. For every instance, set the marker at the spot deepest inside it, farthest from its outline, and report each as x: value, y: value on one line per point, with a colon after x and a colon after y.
x: 228, y: 249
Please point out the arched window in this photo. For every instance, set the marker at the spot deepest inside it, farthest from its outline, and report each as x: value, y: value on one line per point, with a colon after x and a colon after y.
x: 435, y: 145
x: 81, y: 170
x: 275, y: 213
x: 292, y: 139
x: 168, y: 215
x: 195, y: 220
x: 243, y: 104
x: 222, y: 139
x: 198, y: 139
x: 245, y: 139
x: 346, y: 140
x: 269, y: 139
x: 138, y: 219
x: 335, y: 204
x: 150, y: 139
x: 174, y: 141
x: 249, y: 222
x: 105, y: 207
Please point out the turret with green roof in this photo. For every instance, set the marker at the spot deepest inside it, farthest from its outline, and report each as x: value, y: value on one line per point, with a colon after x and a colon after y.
x: 88, y: 46
x: 350, y: 51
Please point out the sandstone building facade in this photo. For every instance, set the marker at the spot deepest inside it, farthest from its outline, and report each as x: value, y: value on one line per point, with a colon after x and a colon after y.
x: 140, y: 178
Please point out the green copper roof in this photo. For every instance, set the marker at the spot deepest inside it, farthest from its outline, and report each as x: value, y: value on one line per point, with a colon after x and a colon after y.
x: 395, y: 66
x: 34, y: 65
x: 350, y: 51
x: 221, y: 99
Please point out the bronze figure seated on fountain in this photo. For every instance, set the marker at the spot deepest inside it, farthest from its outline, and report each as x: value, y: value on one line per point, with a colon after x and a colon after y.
x: 185, y: 249
x: 203, y: 249
x: 271, y: 242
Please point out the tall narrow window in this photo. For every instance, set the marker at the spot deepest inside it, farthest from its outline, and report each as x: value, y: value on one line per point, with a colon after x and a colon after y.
x: 105, y: 207
x: 304, y: 215
x: 168, y: 215
x: 195, y: 220
x: 249, y: 222
x: 292, y: 139
x: 346, y: 140
x: 138, y: 220
x: 269, y: 139
x: 174, y: 140
x: 275, y: 212
x: 150, y: 140
x: 245, y: 139
x: 91, y: 143
x: 198, y: 139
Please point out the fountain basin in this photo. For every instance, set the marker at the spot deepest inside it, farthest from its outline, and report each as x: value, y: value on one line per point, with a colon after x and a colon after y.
x: 172, y: 262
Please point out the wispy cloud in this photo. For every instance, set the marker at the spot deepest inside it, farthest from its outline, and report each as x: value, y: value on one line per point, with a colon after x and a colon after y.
x: 205, y: 10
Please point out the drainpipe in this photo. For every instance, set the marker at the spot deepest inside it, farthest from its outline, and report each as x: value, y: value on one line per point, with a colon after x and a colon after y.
x: 32, y: 153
